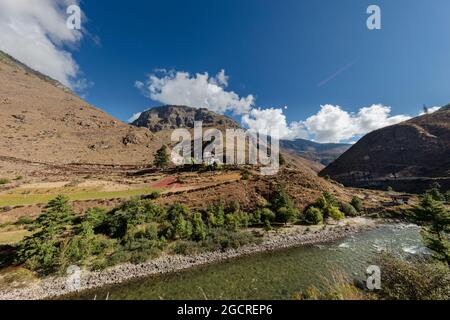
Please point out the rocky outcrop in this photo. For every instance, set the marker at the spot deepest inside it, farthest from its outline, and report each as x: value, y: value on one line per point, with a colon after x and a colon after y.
x: 173, y: 117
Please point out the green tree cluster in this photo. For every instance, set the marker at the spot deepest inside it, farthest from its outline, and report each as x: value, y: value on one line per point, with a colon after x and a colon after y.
x: 435, y: 218
x: 283, y: 206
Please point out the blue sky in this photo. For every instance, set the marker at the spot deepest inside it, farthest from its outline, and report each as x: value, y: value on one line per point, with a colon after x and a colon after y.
x: 302, y: 54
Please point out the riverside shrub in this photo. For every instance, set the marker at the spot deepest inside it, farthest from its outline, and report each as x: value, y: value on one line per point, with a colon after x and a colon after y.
x: 348, y: 209
x: 334, y: 213
x: 357, y: 204
x: 313, y: 216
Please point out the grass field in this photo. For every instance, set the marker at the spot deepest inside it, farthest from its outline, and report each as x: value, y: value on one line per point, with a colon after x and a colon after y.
x: 36, y: 197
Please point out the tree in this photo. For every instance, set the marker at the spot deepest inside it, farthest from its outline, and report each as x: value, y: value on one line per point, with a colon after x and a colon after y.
x: 436, y: 225
x: 281, y: 199
x: 435, y: 192
x: 232, y: 222
x: 267, y: 215
x: 282, y: 160
x: 57, y: 215
x: 285, y: 215
x: 40, y: 251
x: 216, y: 216
x: 447, y: 196
x: 161, y: 157
x: 178, y: 215
x: 283, y: 206
x: 313, y: 216
x: 198, y: 227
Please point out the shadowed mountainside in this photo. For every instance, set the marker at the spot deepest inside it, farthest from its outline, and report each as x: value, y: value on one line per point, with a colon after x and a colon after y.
x: 407, y: 156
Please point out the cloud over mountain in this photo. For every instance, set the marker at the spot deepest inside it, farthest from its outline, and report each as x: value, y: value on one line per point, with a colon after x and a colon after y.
x: 35, y: 33
x: 330, y: 124
x: 195, y: 90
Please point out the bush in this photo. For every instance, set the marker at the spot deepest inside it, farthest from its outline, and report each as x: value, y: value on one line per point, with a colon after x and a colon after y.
x: 232, y: 222
x: 267, y: 215
x: 348, y: 209
x: 357, y: 204
x: 186, y: 248
x: 216, y: 216
x: 198, y: 228
x: 321, y: 203
x: 222, y: 239
x: 4, y: 181
x: 261, y: 216
x: 335, y: 214
x: 285, y: 215
x: 447, y: 196
x: 436, y: 194
x: 330, y: 199
x: 282, y: 160
x: 24, y: 221
x: 245, y: 175
x: 313, y: 216
x: 154, y: 195
x: 418, y: 279
x: 95, y: 216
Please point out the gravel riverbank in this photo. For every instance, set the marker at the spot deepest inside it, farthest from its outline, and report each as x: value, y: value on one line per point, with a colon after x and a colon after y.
x: 53, y: 287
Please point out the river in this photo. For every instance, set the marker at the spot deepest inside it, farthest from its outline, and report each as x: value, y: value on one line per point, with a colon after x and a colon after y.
x: 275, y: 275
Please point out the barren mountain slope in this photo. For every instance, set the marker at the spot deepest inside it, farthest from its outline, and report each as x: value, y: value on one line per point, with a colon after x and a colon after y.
x: 407, y: 155
x: 41, y: 121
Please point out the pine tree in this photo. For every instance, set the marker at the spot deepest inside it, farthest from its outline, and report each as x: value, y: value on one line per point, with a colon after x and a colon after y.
x: 436, y: 220
x: 161, y: 157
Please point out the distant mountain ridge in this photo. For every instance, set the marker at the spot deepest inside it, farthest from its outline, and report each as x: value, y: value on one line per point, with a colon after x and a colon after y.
x: 325, y: 153
x: 407, y: 156
x: 171, y: 117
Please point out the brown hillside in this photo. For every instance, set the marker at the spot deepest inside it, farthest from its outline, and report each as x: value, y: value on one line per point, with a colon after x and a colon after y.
x: 406, y: 156
x: 43, y: 122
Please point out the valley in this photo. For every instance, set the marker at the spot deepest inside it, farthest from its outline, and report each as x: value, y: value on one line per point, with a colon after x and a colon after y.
x: 81, y: 188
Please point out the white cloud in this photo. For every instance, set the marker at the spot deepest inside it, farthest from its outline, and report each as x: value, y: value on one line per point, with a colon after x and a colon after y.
x: 199, y: 90
x: 269, y: 119
x: 35, y: 33
x: 134, y: 117
x: 430, y: 110
x: 332, y: 124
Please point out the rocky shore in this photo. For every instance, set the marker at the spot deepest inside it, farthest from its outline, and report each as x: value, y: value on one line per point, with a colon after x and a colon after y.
x: 53, y: 287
